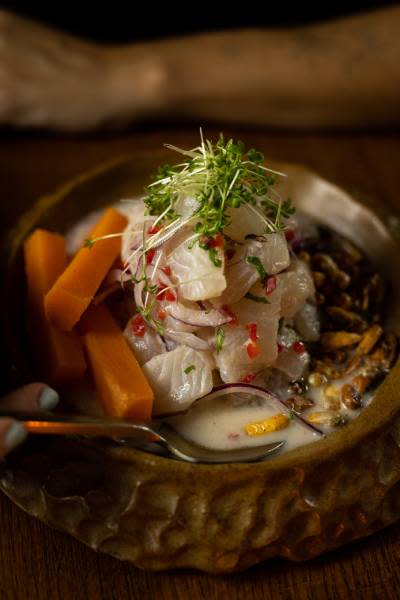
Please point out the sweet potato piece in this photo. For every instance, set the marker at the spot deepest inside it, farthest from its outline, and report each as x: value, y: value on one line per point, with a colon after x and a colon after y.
x: 75, y: 288
x: 122, y: 387
x: 58, y: 354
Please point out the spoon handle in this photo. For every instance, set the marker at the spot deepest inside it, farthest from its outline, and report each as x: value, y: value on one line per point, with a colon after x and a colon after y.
x: 55, y: 424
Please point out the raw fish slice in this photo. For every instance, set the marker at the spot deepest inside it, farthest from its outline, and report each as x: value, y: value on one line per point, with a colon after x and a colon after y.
x: 233, y: 359
x: 198, y: 277
x: 298, y: 286
x: 242, y: 275
x: 292, y: 363
x: 174, y: 389
x: 144, y: 347
x: 244, y: 221
x: 307, y: 323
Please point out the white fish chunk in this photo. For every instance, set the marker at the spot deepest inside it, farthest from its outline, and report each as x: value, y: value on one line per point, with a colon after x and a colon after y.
x: 292, y: 363
x: 198, y: 277
x: 175, y: 390
x: 145, y: 347
x: 298, y: 287
x: 244, y: 221
x: 273, y: 254
x: 307, y: 322
x: 233, y: 359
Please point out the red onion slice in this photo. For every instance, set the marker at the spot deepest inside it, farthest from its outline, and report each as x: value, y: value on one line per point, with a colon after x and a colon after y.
x: 255, y: 390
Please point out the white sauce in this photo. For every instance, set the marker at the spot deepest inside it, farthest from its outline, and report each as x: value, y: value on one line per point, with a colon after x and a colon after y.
x: 219, y: 424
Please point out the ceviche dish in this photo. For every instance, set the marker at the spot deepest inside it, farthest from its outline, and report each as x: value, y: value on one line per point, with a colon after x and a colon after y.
x: 212, y: 304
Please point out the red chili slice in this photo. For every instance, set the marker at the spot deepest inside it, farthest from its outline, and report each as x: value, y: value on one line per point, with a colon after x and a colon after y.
x: 270, y: 285
x: 162, y: 314
x: 253, y: 349
x: 153, y: 230
x: 217, y: 242
x: 252, y: 329
x: 280, y: 348
x: 167, y: 270
x: 165, y: 294
x: 150, y: 255
x: 298, y: 347
x: 138, y: 325
x: 248, y: 378
x: 289, y: 235
x: 231, y: 314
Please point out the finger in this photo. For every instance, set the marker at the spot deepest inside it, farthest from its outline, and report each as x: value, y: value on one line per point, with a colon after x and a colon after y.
x: 12, y: 433
x: 35, y: 396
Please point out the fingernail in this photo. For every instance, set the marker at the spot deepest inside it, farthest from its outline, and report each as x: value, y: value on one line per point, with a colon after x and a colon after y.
x: 48, y: 398
x: 15, y: 434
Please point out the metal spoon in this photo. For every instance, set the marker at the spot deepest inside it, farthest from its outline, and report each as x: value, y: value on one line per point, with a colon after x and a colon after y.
x: 138, y: 434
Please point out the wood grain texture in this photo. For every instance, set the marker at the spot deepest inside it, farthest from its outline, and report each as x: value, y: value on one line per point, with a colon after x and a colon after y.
x: 37, y: 562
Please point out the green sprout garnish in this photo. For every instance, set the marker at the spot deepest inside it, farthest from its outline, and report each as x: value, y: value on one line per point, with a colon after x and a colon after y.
x: 254, y: 260
x: 189, y: 369
x: 88, y: 243
x: 220, y: 177
x: 219, y: 339
x: 260, y: 299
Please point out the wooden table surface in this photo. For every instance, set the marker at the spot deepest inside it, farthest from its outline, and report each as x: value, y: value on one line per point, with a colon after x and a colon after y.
x: 39, y: 563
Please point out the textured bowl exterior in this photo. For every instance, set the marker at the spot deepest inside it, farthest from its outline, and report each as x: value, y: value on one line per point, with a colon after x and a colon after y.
x: 160, y: 513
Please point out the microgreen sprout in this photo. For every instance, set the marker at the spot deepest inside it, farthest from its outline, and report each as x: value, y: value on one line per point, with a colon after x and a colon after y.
x: 219, y: 176
x: 219, y: 339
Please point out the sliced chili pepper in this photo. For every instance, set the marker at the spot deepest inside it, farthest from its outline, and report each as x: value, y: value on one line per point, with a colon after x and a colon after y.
x: 231, y: 314
x: 162, y: 314
x: 252, y: 329
x: 216, y: 242
x: 138, y: 325
x: 270, y: 285
x: 248, y: 378
x: 152, y: 230
x: 289, y: 235
x: 165, y: 294
x: 280, y: 348
x: 166, y: 270
x: 298, y: 347
x: 253, y: 349
x: 150, y: 255
x: 230, y: 253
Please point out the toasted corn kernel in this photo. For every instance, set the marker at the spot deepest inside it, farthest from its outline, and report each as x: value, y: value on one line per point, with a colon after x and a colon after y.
x: 299, y: 403
x: 319, y: 278
x: 331, y: 391
x: 369, y: 339
x: 332, y: 397
x: 350, y: 397
x: 385, y: 355
x: 274, y: 423
x: 323, y: 417
x: 346, y: 318
x: 361, y: 383
x: 316, y: 379
x: 339, y: 339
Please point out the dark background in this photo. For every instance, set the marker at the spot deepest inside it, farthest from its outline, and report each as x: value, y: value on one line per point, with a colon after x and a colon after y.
x: 118, y: 21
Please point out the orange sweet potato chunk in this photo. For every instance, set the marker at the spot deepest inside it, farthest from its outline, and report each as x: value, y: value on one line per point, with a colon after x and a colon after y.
x: 120, y: 382
x: 74, y: 290
x: 58, y: 355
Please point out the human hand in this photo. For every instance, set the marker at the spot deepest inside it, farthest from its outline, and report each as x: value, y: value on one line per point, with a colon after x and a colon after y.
x: 50, y: 79
x: 32, y: 397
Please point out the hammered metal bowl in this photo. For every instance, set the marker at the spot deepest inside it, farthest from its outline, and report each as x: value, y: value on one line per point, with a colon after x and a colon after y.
x: 159, y: 513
